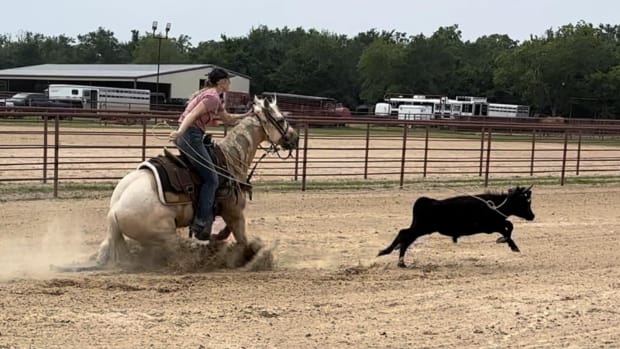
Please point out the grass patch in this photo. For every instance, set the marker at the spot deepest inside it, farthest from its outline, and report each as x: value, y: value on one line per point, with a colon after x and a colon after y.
x: 430, y: 183
x: 33, y: 191
x: 103, y: 190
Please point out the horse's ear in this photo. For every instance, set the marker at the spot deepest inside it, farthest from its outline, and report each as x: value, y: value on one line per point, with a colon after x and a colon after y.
x: 256, y: 100
x: 265, y: 105
x: 529, y: 188
x: 274, y: 101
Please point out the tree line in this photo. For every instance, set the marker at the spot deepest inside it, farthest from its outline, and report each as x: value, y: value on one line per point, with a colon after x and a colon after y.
x: 572, y: 70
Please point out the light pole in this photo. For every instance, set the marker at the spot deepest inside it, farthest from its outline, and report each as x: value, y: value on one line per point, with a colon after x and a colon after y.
x: 159, y: 38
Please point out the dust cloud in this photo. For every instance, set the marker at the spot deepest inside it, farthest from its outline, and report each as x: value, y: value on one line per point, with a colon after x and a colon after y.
x: 62, y: 241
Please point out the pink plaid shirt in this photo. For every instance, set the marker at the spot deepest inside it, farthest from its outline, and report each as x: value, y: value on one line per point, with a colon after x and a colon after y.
x: 211, y: 100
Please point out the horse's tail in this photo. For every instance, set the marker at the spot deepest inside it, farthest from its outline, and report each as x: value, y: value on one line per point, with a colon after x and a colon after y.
x: 113, y: 248
x: 113, y: 227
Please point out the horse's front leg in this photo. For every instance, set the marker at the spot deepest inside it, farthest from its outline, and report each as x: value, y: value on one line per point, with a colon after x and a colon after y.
x: 239, y: 231
x: 236, y: 223
x: 232, y: 213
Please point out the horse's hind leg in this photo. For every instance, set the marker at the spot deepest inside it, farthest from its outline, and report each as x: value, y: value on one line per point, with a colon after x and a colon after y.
x: 113, y: 249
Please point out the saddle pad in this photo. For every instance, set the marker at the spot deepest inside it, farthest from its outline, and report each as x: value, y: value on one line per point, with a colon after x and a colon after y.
x: 174, y: 184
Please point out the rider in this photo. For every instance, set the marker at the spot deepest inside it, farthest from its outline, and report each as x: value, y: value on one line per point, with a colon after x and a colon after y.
x: 203, y: 108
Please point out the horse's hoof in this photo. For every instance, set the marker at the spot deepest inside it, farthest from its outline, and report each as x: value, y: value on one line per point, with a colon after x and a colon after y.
x: 203, y: 236
x: 402, y: 265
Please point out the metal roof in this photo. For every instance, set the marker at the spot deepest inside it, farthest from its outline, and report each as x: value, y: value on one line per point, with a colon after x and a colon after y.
x: 117, y: 71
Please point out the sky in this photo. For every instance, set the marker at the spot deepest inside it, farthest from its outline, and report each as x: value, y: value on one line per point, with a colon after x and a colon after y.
x: 207, y: 20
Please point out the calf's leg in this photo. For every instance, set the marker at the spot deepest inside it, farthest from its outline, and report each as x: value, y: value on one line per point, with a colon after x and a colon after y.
x: 402, y: 234
x: 507, y: 237
x: 404, y: 245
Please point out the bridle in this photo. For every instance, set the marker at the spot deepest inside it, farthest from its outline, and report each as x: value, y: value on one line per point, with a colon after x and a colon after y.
x: 278, y: 125
x: 273, y: 147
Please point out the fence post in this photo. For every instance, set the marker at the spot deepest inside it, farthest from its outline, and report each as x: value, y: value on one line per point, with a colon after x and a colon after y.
x: 578, y: 153
x: 143, y: 138
x: 564, y: 157
x: 296, y: 176
x: 486, y: 175
x: 367, y: 151
x: 45, y: 129
x: 425, y: 152
x: 305, y: 162
x: 533, y: 151
x: 56, y: 152
x: 481, y: 150
x: 402, y: 159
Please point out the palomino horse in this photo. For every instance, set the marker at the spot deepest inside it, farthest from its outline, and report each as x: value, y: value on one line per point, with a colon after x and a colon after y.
x: 136, y: 211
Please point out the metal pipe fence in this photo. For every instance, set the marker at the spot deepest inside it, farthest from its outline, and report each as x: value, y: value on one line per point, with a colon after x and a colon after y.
x: 48, y: 149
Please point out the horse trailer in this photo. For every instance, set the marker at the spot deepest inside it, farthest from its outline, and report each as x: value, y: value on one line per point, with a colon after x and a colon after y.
x: 441, y: 107
x: 101, y: 98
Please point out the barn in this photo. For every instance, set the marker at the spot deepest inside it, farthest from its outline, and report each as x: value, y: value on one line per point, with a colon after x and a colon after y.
x: 170, y: 81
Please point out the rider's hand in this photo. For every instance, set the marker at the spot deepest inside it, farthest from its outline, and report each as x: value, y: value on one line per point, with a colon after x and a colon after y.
x: 174, y: 135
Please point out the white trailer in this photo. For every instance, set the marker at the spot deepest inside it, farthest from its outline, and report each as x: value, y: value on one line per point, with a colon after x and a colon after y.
x: 509, y: 110
x: 383, y: 109
x: 415, y: 112
x: 444, y: 108
x: 97, y: 97
x: 436, y: 106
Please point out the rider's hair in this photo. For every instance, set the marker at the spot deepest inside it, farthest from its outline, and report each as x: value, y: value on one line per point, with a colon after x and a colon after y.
x: 213, y: 77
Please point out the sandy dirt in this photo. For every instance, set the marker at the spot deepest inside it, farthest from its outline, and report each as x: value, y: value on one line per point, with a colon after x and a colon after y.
x: 326, y: 288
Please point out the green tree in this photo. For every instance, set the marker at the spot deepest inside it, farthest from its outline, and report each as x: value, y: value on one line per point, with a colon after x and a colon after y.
x: 101, y: 46
x: 27, y: 49
x: 431, y: 64
x: 548, y: 72
x: 478, y: 62
x: 147, y: 51
x: 7, y: 56
x: 380, y: 67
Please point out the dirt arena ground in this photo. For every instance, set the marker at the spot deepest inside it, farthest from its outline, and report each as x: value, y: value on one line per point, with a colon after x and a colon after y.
x: 326, y: 289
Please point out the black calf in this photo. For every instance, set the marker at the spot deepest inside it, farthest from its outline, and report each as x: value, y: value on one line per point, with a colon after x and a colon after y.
x: 465, y: 215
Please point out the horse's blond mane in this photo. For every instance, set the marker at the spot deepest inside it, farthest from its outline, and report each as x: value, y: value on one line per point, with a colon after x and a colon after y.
x: 239, y: 146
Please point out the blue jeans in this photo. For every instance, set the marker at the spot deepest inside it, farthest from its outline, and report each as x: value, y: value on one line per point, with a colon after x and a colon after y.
x: 190, y: 143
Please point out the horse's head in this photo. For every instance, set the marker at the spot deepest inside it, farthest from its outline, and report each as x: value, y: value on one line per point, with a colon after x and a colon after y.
x: 277, y: 128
